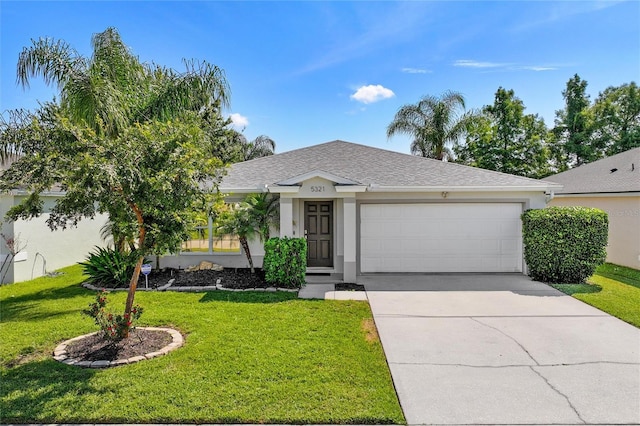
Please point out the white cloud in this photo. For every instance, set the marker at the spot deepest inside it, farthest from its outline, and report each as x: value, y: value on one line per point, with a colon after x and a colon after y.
x: 468, y: 63
x: 537, y: 68
x: 372, y: 93
x: 416, y: 71
x: 239, y: 121
x: 497, y: 66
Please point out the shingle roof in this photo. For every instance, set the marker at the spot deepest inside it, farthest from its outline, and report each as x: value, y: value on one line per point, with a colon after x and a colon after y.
x: 367, y: 166
x: 618, y: 173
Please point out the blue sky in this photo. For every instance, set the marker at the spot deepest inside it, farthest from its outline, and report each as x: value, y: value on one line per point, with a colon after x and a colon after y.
x: 310, y: 72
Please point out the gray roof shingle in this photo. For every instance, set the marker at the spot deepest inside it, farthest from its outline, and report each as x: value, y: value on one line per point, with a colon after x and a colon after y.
x: 599, y: 177
x: 367, y: 166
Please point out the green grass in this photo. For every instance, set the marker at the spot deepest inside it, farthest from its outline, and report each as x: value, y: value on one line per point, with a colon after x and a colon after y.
x: 620, y: 273
x: 613, y: 289
x: 248, y: 358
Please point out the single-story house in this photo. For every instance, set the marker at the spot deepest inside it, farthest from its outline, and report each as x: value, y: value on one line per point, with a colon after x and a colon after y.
x: 613, y: 185
x: 42, y: 250
x: 369, y: 210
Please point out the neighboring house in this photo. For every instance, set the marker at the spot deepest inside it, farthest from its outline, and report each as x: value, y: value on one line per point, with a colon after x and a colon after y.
x: 43, y: 250
x: 613, y: 185
x: 367, y: 210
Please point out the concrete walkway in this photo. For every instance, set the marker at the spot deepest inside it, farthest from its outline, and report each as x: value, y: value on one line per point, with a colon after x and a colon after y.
x: 327, y: 291
x: 502, y: 349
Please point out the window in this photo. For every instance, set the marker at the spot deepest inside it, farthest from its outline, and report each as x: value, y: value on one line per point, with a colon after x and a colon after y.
x: 226, y: 244
x: 199, y: 240
x: 202, y: 240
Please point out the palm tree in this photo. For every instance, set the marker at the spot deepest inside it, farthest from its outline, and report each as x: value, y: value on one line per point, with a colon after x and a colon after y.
x: 113, y: 229
x: 262, y: 146
x: 12, y: 127
x: 435, y: 123
x: 254, y: 215
x: 112, y: 91
x: 238, y: 221
x: 264, y: 208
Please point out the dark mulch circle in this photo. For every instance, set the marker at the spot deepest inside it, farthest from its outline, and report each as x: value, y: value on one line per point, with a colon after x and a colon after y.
x: 349, y: 287
x: 229, y: 278
x: 139, y: 343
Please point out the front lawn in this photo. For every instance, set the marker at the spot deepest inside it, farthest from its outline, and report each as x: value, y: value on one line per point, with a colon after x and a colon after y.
x: 248, y: 358
x: 613, y: 289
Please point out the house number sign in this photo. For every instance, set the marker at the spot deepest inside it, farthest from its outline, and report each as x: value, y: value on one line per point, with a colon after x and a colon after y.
x: 317, y: 188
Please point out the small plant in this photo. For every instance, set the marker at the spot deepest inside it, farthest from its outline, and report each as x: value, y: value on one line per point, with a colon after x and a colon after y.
x: 285, y: 262
x: 107, y: 267
x: 114, y: 327
x: 14, y: 246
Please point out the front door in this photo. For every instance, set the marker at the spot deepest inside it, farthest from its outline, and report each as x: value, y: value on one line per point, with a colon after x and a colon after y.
x: 318, y: 228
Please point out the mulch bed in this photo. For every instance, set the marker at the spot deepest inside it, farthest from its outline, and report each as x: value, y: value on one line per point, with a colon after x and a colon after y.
x: 229, y: 277
x: 235, y: 278
x: 139, y: 343
x: 349, y: 287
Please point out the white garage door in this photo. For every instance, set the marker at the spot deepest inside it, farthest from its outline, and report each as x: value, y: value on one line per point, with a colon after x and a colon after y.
x: 455, y: 237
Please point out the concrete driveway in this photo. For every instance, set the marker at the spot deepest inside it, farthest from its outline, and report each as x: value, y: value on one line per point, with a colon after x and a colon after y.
x: 502, y: 349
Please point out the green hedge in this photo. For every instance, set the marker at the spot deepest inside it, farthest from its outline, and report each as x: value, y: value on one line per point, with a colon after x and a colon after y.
x: 285, y: 262
x: 564, y: 244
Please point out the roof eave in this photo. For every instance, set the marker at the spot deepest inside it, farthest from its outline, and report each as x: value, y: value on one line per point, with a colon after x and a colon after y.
x: 599, y: 194
x: 22, y: 192
x: 467, y: 188
x: 242, y: 189
x: 296, y: 180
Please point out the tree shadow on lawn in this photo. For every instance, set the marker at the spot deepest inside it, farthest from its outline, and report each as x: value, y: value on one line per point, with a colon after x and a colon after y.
x: 248, y: 296
x: 572, y: 289
x: 22, y: 307
x: 30, y: 389
x: 621, y: 278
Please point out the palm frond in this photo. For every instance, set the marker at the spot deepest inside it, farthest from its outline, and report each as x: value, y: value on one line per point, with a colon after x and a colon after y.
x: 54, y: 60
x: 434, y: 122
x: 262, y: 146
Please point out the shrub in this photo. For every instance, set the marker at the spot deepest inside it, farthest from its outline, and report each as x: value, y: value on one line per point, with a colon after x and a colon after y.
x: 285, y: 262
x: 114, y: 327
x: 564, y: 244
x: 107, y: 267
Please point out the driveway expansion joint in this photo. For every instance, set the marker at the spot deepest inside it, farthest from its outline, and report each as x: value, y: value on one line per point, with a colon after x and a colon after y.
x: 444, y: 364
x: 488, y: 316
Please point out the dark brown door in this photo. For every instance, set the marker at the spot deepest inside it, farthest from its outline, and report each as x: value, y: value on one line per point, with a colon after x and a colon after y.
x: 318, y: 225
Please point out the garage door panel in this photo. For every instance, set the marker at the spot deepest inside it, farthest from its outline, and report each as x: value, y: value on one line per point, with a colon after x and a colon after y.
x: 455, y: 237
x: 412, y: 245
x: 391, y: 211
x: 509, y: 246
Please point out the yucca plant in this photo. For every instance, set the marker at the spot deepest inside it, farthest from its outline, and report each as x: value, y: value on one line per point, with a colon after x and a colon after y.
x: 107, y: 267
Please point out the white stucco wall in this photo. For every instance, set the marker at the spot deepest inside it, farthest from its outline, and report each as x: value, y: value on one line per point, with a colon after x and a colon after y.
x: 45, y: 250
x: 624, y: 224
x: 48, y: 250
x: 345, y: 232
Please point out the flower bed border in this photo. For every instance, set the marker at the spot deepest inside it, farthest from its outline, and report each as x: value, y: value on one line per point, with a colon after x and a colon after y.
x: 60, y: 352
x: 218, y: 286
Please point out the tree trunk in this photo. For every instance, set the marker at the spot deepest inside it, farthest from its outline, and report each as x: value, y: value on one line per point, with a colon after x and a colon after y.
x: 245, y: 245
x: 133, y: 284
